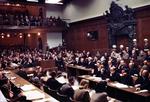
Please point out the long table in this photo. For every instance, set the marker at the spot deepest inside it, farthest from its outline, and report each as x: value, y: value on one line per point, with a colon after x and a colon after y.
x: 127, y: 93
x: 30, y: 91
x: 75, y: 70
x: 121, y: 91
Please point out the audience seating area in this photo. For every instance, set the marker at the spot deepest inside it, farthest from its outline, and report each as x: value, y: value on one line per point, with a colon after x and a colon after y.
x: 109, y: 67
x: 15, y: 18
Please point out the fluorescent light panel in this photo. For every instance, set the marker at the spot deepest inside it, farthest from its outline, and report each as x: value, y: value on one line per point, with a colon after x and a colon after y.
x: 53, y: 1
x: 32, y: 0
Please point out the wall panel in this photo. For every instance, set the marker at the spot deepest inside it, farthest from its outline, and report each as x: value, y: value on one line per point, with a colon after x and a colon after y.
x: 76, y: 35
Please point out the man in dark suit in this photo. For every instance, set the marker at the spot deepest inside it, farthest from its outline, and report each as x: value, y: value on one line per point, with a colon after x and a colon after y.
x: 22, y: 73
x: 143, y: 80
x: 67, y: 89
x: 90, y: 63
x: 114, y: 75
x: 125, y: 78
x: 59, y: 63
x: 52, y: 83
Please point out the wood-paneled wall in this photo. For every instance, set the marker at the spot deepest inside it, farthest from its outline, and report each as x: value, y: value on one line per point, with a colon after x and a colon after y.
x: 76, y: 35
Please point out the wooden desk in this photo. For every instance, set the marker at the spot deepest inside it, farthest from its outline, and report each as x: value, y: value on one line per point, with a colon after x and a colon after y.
x: 19, y: 82
x: 127, y: 93
x: 2, y: 97
x: 47, y: 63
x: 78, y: 70
x: 93, y: 81
x: 90, y: 78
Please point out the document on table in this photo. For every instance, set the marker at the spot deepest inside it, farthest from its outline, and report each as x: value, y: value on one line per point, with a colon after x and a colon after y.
x: 27, y: 87
x: 97, y: 78
x: 33, y: 95
x: 46, y: 100
x: 119, y: 85
x: 141, y: 91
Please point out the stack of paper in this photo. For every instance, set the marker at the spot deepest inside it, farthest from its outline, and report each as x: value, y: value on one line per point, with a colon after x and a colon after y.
x: 141, y: 91
x: 119, y: 85
x: 97, y: 79
x: 46, y: 100
x: 27, y: 87
x: 33, y: 95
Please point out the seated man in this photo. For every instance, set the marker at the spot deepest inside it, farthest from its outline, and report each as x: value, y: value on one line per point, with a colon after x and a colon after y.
x: 67, y: 89
x: 99, y: 97
x: 143, y: 81
x: 13, y: 94
x: 114, y: 75
x: 52, y: 83
x: 82, y: 95
x: 22, y: 73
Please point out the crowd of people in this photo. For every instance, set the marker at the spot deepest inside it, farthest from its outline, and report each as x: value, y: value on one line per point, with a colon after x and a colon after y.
x: 24, y: 19
x: 127, y: 66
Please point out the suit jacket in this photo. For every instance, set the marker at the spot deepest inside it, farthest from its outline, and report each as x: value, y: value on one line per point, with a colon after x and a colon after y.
x: 52, y: 83
x: 145, y: 82
x: 114, y: 77
x: 126, y: 80
x: 23, y: 74
x: 67, y: 89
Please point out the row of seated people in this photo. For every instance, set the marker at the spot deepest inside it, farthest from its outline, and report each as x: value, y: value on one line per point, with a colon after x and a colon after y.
x: 140, y: 82
x: 29, y: 20
x: 69, y: 88
x: 126, y: 64
x: 11, y: 92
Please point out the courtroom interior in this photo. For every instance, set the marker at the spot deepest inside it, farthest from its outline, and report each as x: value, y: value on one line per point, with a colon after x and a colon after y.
x: 74, y: 50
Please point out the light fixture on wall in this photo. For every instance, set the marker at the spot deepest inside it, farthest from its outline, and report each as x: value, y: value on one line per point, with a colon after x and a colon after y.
x: 8, y: 35
x: 2, y: 36
x: 38, y: 33
x: 29, y: 35
x: 20, y: 36
x: 20, y: 33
